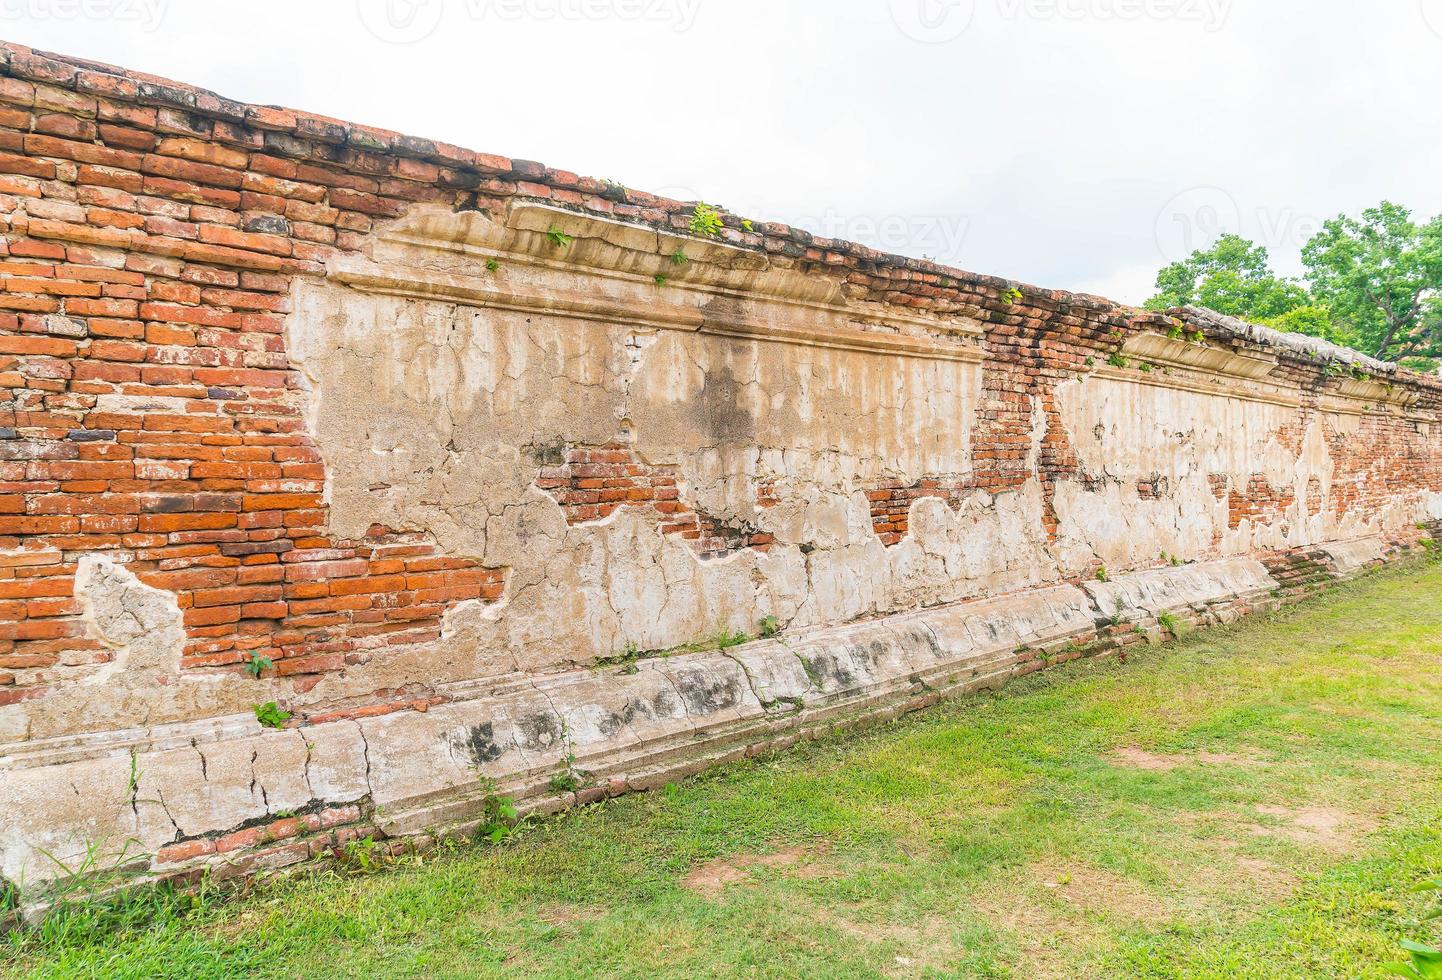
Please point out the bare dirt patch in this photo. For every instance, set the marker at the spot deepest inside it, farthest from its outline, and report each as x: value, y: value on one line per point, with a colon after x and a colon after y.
x: 711, y: 879
x: 1269, y: 882
x: 1041, y: 936
x: 1089, y: 889
x: 1051, y: 911
x: 1323, y: 826
x: 916, y: 948
x: 1135, y: 758
x: 1211, y: 876
x: 564, y: 915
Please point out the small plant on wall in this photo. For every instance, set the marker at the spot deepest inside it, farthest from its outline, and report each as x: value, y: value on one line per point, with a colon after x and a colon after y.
x: 270, y: 715
x: 364, y: 855
x: 706, y: 221
x: 499, y: 817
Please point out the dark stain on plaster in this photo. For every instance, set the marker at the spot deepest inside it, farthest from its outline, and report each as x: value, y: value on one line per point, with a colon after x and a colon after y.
x: 704, y: 694
x: 662, y: 706
x: 550, y: 453
x: 477, y: 743
x: 827, y: 672
x: 540, y: 732
x: 918, y: 637
x: 716, y: 413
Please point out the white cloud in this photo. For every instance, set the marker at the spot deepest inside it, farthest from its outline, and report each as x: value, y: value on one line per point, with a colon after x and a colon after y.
x: 1132, y: 284
x: 1047, y: 136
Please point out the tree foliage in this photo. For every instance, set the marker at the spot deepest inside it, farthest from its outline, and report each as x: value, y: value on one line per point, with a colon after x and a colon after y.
x: 1382, y: 276
x: 1231, y: 277
x: 1373, y: 283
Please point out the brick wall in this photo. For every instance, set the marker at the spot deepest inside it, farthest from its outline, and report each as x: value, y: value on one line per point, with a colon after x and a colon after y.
x: 590, y: 483
x: 891, y: 504
x: 151, y: 236
x: 152, y: 412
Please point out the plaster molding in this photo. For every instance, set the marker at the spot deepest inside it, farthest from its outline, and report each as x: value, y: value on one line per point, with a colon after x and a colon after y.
x: 611, y: 267
x: 1245, y: 375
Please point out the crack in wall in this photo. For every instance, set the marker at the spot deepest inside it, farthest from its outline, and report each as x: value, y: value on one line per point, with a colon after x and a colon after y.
x: 365, y: 754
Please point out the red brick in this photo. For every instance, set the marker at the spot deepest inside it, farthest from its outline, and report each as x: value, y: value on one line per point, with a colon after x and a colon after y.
x: 177, y: 168
x: 185, y: 851
x: 37, y: 345
x: 13, y: 164
x: 98, y: 156
x: 326, y: 570
x: 351, y: 200
x: 203, y: 152
x: 124, y: 136
x: 67, y: 231
x: 185, y: 522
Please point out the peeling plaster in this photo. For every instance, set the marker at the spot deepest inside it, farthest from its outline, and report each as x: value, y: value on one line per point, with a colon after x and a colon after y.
x: 435, y: 415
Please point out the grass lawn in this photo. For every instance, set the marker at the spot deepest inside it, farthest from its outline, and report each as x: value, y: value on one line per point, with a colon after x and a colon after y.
x: 1254, y: 801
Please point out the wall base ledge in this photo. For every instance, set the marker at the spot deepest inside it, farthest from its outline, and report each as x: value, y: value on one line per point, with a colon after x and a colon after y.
x: 270, y: 798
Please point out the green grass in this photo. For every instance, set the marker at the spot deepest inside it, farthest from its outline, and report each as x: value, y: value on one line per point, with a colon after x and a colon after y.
x: 1275, y: 796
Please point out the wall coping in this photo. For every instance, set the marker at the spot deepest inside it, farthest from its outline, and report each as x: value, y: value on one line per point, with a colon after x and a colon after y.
x: 295, y: 134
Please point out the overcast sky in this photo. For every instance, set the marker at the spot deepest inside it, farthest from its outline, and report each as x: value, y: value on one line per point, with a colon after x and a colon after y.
x: 1067, y: 143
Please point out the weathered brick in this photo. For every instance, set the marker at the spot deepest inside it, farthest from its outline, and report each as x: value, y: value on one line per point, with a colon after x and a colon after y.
x: 190, y: 171
x: 154, y: 413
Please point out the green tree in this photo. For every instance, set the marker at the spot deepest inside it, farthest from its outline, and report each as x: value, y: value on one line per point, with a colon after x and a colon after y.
x: 1232, y: 277
x: 1314, y: 320
x: 1381, y: 276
